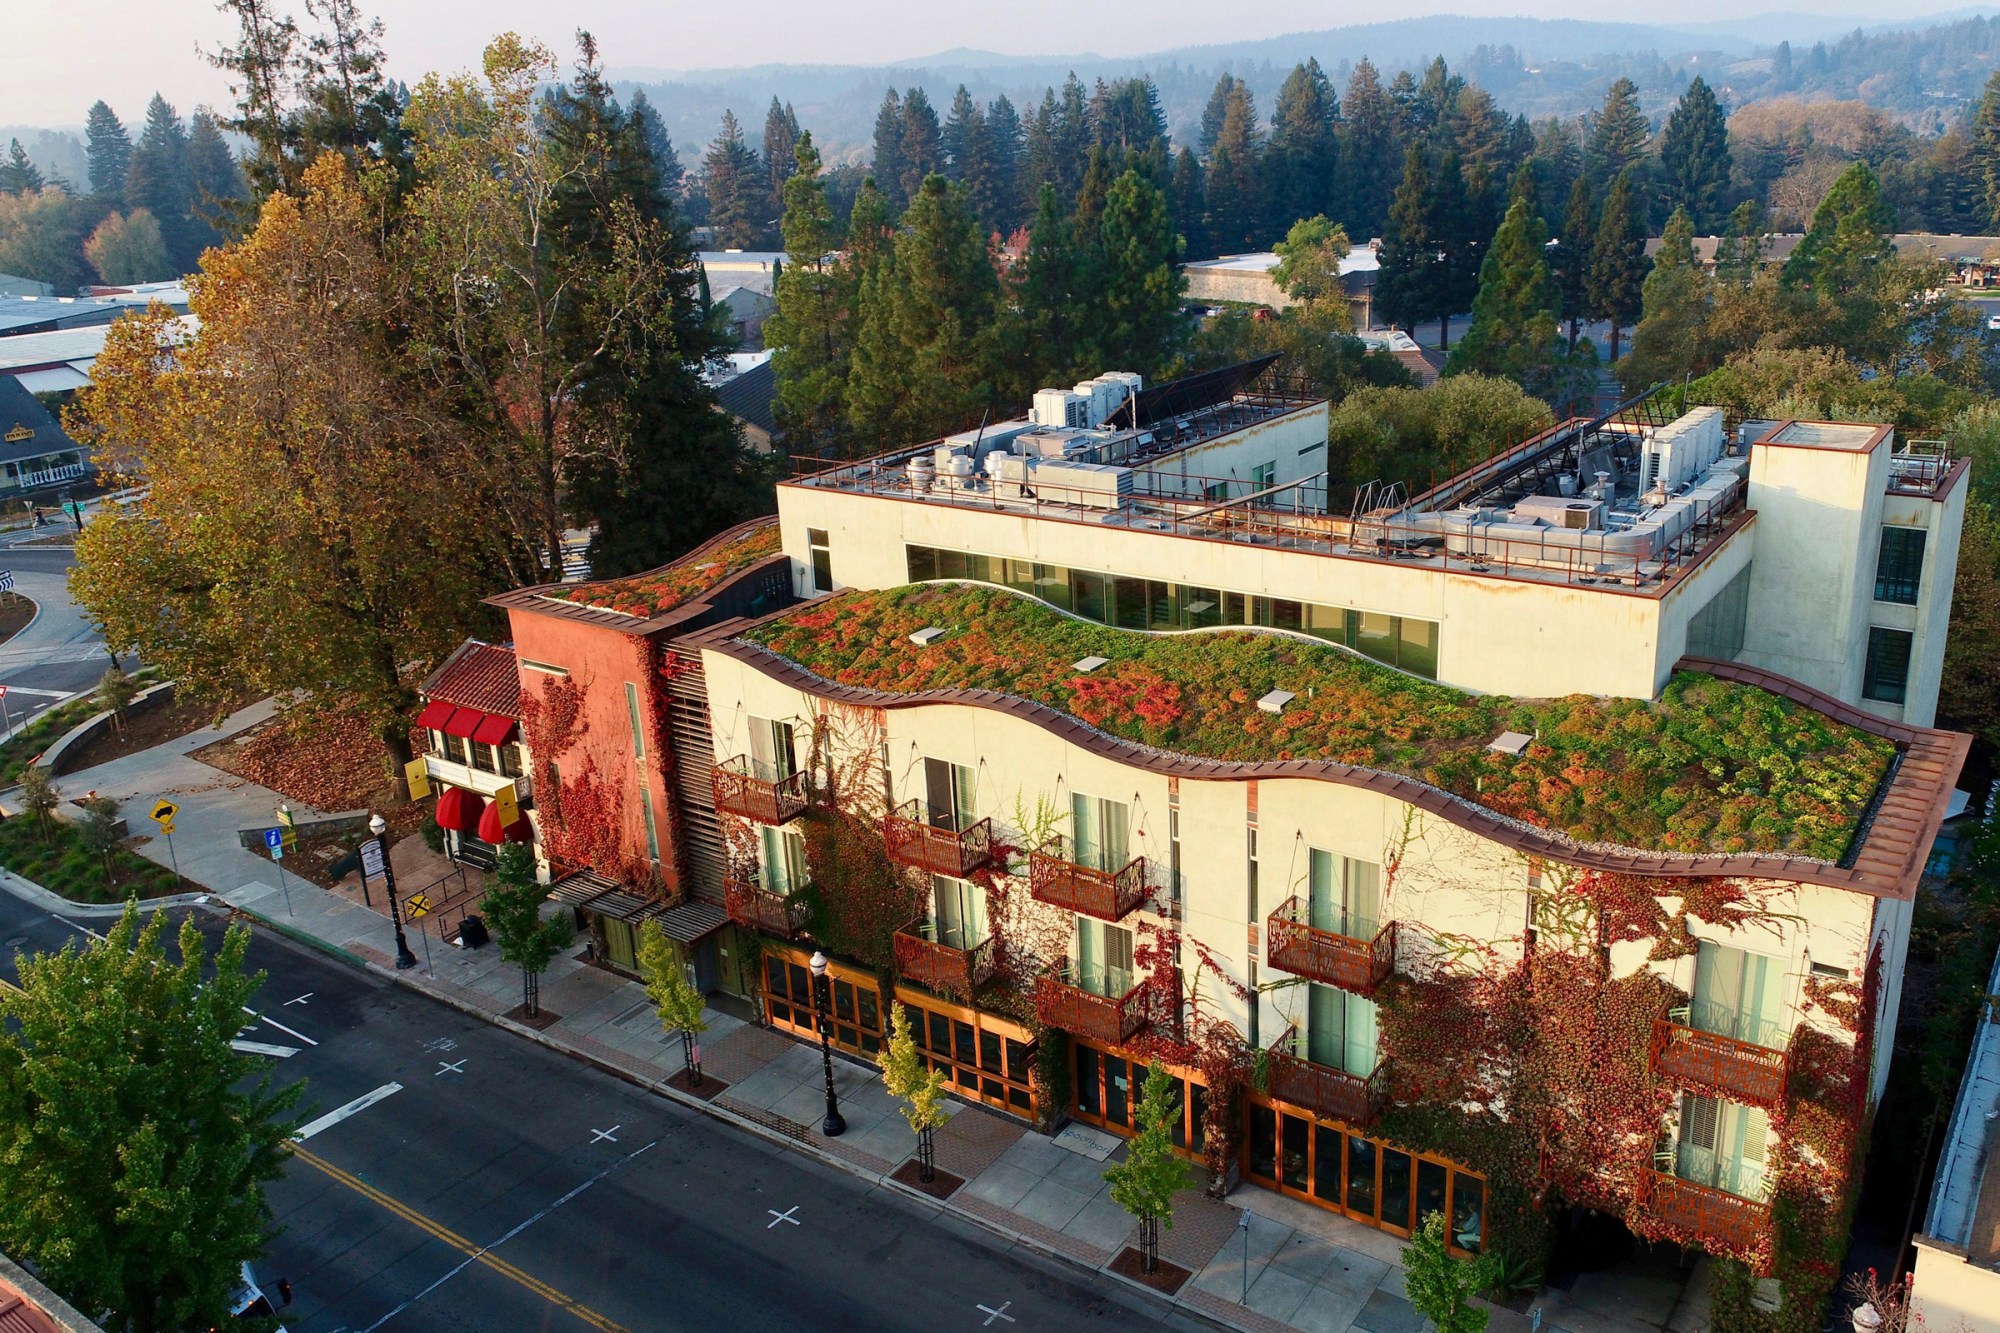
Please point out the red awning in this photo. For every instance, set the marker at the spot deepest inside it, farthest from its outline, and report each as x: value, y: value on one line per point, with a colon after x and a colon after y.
x: 495, y: 730
x: 463, y: 722
x: 459, y: 810
x: 434, y: 714
x: 490, y: 831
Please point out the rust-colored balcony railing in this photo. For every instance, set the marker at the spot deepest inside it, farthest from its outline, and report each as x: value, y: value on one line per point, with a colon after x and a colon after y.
x: 1354, y: 964
x: 750, y: 904
x: 914, y: 841
x: 940, y: 964
x: 1718, y: 1219
x: 1333, y: 1093
x: 1109, y: 895
x: 1062, y: 1002
x: 755, y: 791
x: 1742, y: 1070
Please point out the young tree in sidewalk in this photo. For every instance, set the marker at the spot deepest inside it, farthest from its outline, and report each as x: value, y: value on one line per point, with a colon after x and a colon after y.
x: 1144, y: 1184
x: 512, y: 910
x: 135, y: 1142
x: 115, y: 691
x: 1440, y: 1287
x: 310, y: 526
x: 39, y: 796
x: 97, y: 833
x: 919, y: 1087
x: 1615, y: 281
x: 678, y: 1004
x: 1513, y: 331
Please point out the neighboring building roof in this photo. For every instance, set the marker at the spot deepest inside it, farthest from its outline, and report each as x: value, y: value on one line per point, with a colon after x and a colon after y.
x: 640, y: 603
x: 749, y: 397
x: 754, y: 269
x: 745, y: 301
x: 46, y: 362
x: 1420, y: 361
x: 1360, y: 259
x: 1964, y: 1212
x: 1778, y: 247
x: 1186, y: 706
x: 26, y: 1306
x: 27, y: 429
x: 479, y: 676
x: 10, y: 285
x: 39, y: 314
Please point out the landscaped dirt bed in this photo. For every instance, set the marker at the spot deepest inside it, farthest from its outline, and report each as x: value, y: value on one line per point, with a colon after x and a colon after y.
x: 146, y: 728
x: 335, y: 763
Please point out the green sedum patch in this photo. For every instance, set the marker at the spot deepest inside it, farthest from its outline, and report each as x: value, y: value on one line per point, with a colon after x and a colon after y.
x: 1711, y: 766
x: 659, y: 591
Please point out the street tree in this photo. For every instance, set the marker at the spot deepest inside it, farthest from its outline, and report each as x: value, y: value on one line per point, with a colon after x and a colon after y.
x: 97, y: 833
x: 115, y: 690
x: 39, y: 795
x: 1144, y: 1184
x: 512, y: 910
x: 135, y: 1142
x: 680, y: 1007
x: 1513, y: 331
x: 311, y: 527
x: 1443, y: 1289
x: 919, y: 1087
x: 1308, y: 268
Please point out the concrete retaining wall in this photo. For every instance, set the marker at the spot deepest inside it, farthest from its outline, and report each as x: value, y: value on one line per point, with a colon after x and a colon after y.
x: 58, y: 757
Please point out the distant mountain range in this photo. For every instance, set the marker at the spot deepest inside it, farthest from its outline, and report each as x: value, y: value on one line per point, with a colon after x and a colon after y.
x: 1532, y: 66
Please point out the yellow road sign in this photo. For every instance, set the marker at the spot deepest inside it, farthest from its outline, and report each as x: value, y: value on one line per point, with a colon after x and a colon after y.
x: 419, y: 778
x: 164, y: 812
x: 507, y: 804
x: 417, y: 905
x: 167, y: 827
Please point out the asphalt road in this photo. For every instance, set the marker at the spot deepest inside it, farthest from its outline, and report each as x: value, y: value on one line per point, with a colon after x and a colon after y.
x: 61, y: 653
x: 498, y: 1186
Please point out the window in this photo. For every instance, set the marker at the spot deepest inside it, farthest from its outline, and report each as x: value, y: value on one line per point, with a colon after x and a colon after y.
x: 1103, y: 957
x: 783, y: 858
x: 772, y: 757
x: 1098, y: 832
x: 529, y: 664
x: 652, y: 831
x: 513, y: 761
x: 948, y: 794
x: 1716, y: 631
x: 1344, y: 896
x: 958, y: 912
x: 1742, y: 995
x: 1899, y: 568
x: 1887, y: 676
x: 1263, y: 476
x: 1340, y: 1030
x: 1215, y: 490
x: 1722, y: 1145
x: 822, y: 559
x: 632, y: 715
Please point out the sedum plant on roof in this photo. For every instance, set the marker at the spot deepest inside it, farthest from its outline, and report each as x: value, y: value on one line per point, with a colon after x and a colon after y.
x: 659, y: 591
x: 1712, y: 766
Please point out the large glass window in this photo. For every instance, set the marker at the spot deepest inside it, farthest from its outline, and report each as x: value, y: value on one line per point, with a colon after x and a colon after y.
x: 1899, y: 568
x: 1716, y: 631
x: 1098, y: 832
x: 1722, y: 1145
x: 632, y: 715
x: 1887, y: 675
x: 1344, y: 895
x: 1103, y: 957
x: 1340, y: 1030
x: 783, y: 859
x: 772, y: 755
x: 958, y: 912
x: 948, y: 794
x: 1742, y: 995
x: 822, y: 559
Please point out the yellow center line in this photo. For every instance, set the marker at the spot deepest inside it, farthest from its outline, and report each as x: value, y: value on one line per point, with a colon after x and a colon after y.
x: 457, y: 1242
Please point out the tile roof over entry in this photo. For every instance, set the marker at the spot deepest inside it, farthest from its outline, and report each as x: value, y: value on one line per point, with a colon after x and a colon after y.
x: 478, y: 676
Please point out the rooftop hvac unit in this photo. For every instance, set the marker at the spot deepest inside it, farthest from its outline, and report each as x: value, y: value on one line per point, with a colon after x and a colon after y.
x: 1060, y: 409
x: 1091, y: 485
x: 1008, y: 473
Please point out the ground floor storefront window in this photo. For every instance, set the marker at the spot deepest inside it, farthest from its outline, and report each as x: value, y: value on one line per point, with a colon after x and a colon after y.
x: 1367, y: 1179
x: 984, y: 1057
x: 1106, y: 1085
x: 858, y: 1020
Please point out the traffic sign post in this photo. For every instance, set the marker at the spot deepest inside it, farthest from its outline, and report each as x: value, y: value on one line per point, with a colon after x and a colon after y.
x: 274, y: 842
x: 5, y: 715
x: 162, y: 813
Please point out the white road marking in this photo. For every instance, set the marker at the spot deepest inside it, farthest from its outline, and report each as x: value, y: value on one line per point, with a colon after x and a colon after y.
x: 289, y: 1032
x: 455, y: 1068
x: 786, y: 1216
x: 605, y: 1135
x: 13, y: 690
x: 993, y: 1314
x: 303, y: 998
x: 338, y: 1114
x: 259, y: 1048
x: 74, y: 926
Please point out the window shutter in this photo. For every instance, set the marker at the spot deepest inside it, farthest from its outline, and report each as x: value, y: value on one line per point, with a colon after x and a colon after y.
x: 1698, y: 1116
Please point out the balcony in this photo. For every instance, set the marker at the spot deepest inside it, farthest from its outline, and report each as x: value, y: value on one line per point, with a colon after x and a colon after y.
x: 1111, y: 1020
x: 1739, y: 1070
x: 1720, y: 1221
x: 1324, y: 1091
x: 51, y: 476
x: 915, y: 841
x: 1108, y: 895
x: 1358, y: 965
x: 923, y: 958
x: 758, y: 792
x: 751, y: 905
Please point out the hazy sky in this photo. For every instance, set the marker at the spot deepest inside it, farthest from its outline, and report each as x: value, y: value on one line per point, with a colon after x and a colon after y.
x: 64, y: 54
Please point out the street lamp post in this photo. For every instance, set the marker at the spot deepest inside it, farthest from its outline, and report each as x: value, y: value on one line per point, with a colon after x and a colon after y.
x: 833, y: 1126
x: 405, y: 960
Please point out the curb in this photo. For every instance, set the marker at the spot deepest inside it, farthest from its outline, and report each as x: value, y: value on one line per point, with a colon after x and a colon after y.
x: 56, y: 905
x: 1150, y: 1297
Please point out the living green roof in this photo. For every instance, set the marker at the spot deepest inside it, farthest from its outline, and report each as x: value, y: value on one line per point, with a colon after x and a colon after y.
x: 658, y: 591
x: 1712, y: 766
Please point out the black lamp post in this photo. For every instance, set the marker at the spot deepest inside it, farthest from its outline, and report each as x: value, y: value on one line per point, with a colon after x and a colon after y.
x: 833, y: 1126
x: 405, y: 960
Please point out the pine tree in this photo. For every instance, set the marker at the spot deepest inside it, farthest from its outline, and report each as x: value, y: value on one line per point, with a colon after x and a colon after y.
x: 215, y: 183
x: 1458, y: 223
x: 1071, y: 135
x: 923, y: 148
x: 969, y: 159
x: 1671, y: 340
x: 810, y: 331
x: 18, y: 175
x: 1212, y: 114
x: 781, y: 137
x: 1406, y: 284
x: 1482, y: 136
x: 1616, y: 280
x: 263, y: 64
x: 1368, y: 154
x: 156, y: 179
x: 1126, y: 115
x: 1513, y: 331
x: 1850, y: 236
x: 1618, y: 134
x: 1190, y: 200
x: 1740, y: 255
x: 1044, y: 340
x: 1302, y: 162
x: 1985, y: 134
x: 346, y: 103
x: 660, y: 145
x: 1235, y: 204
x: 1557, y: 157
x: 923, y: 361
x: 1694, y: 156
x: 1573, y: 250
x: 888, y: 164
x: 735, y: 184
x: 1004, y: 147
x: 110, y: 148
x: 1137, y: 321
